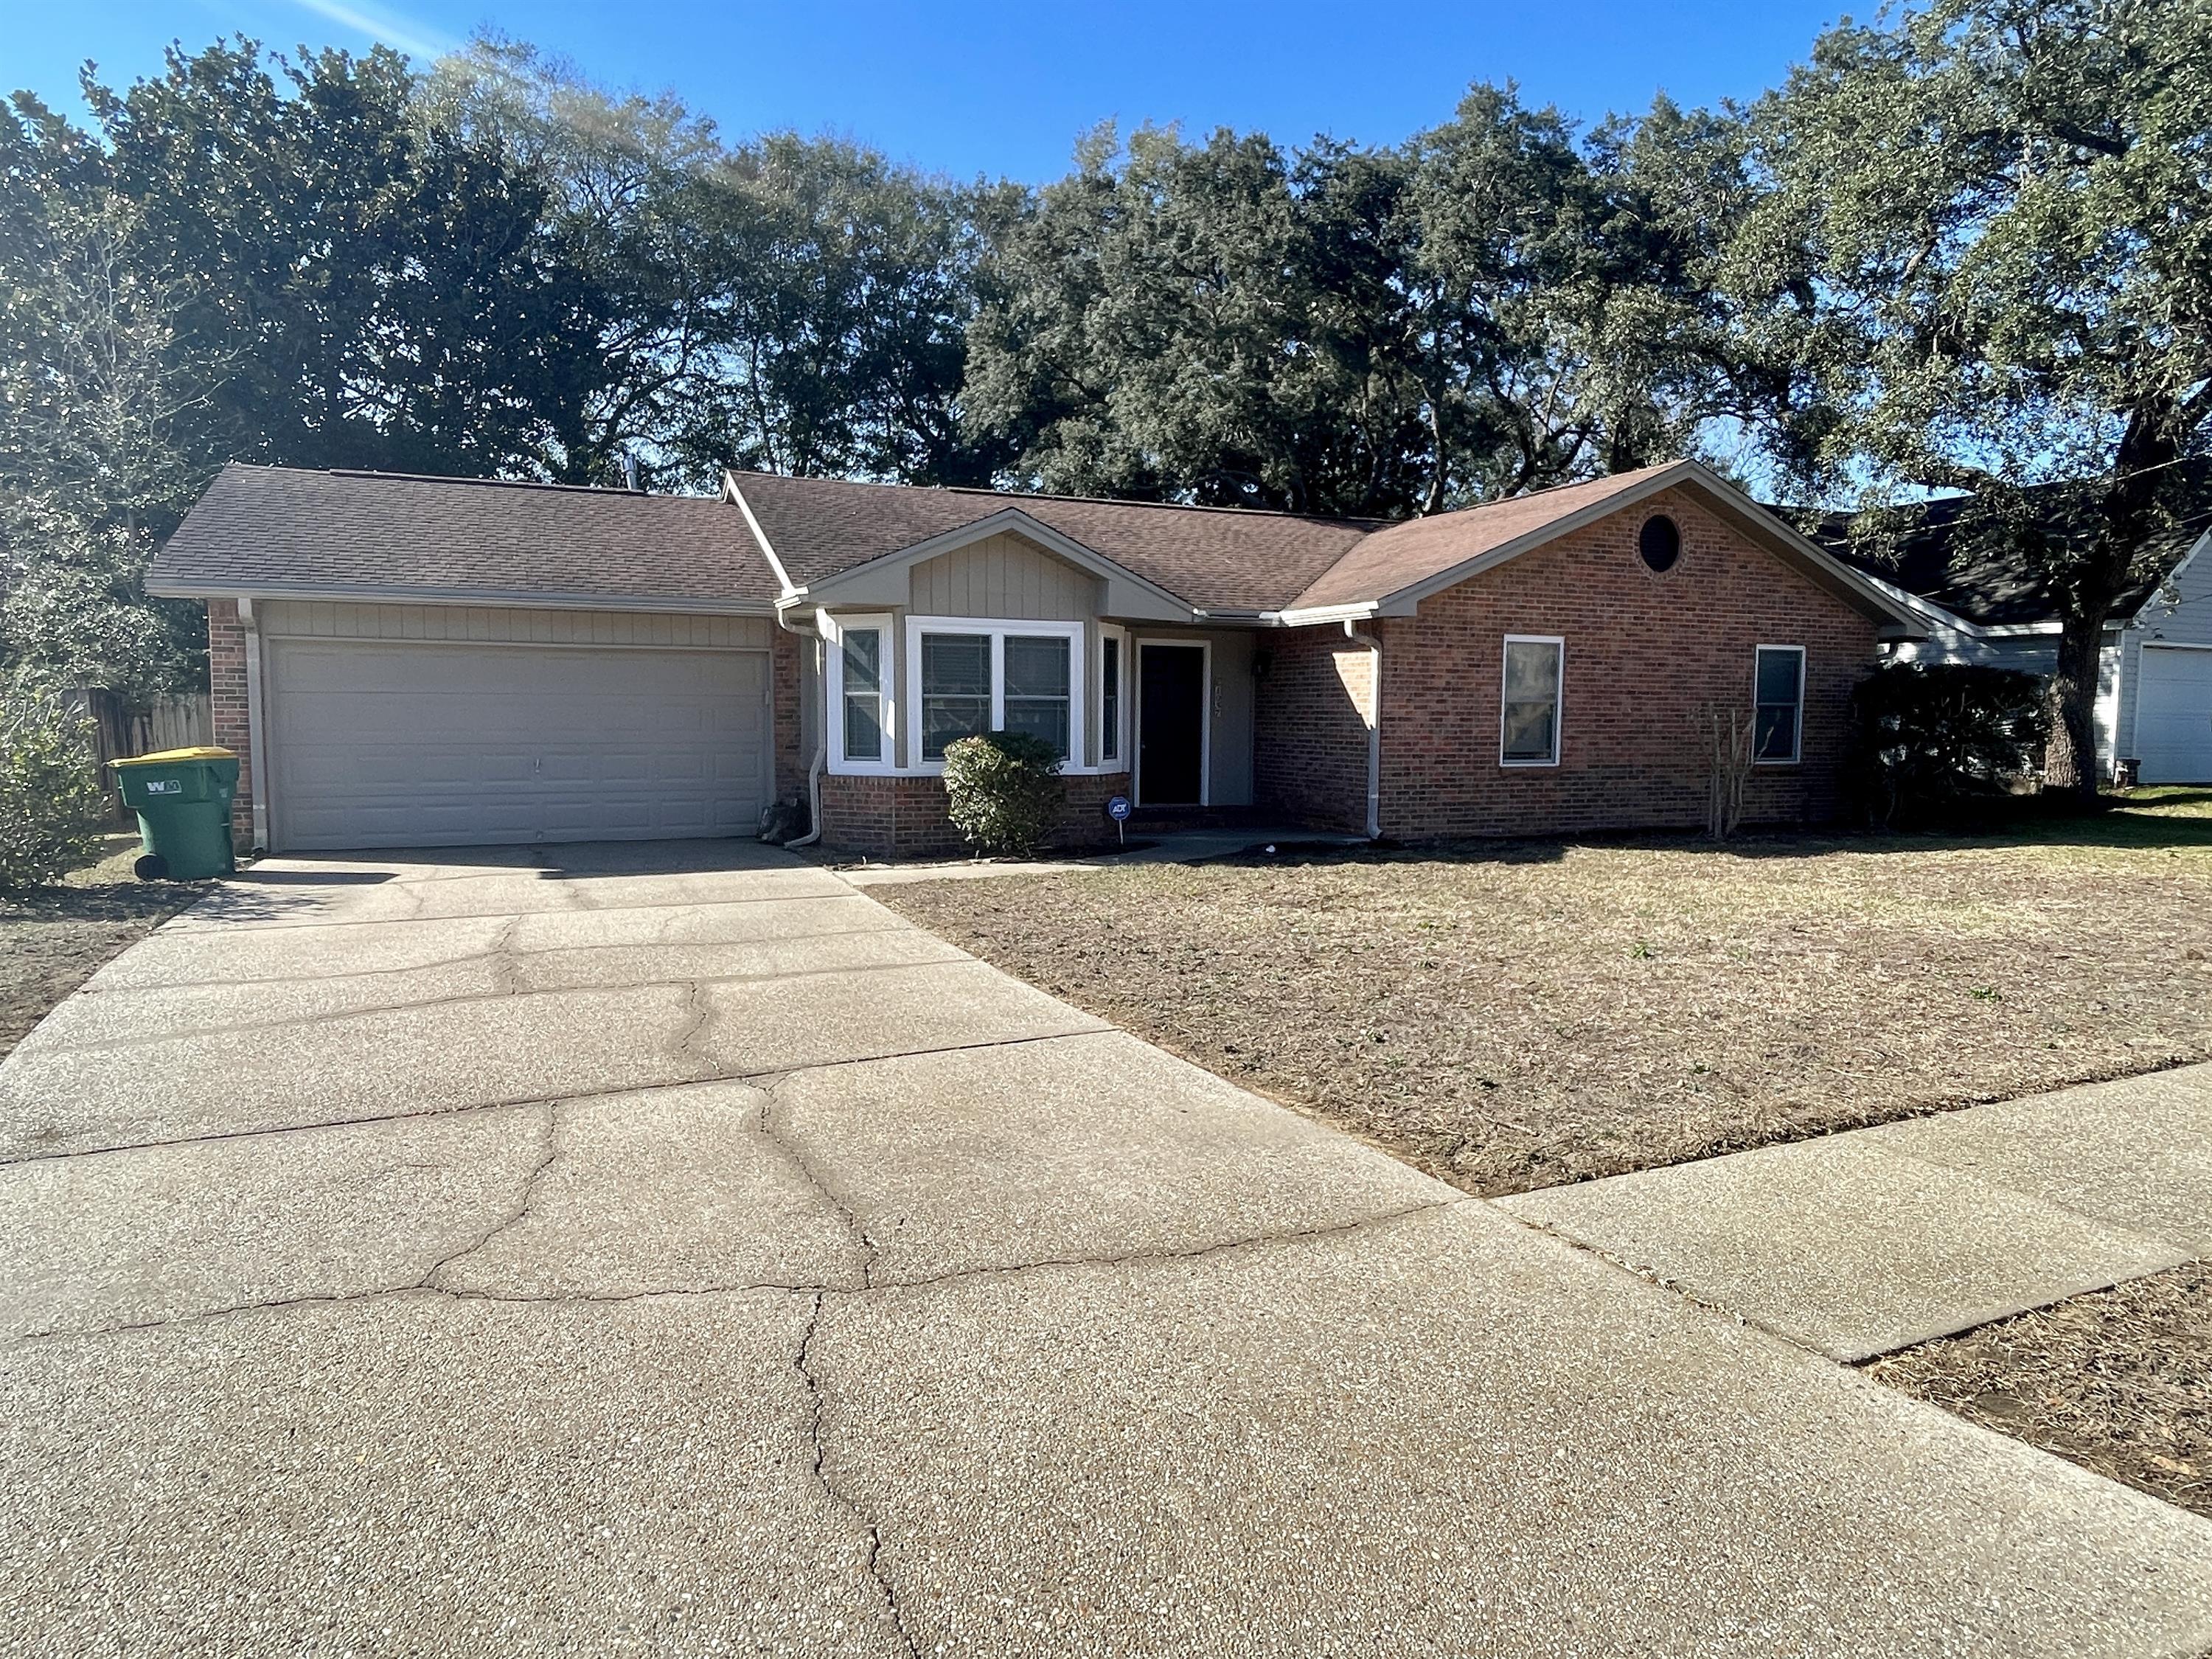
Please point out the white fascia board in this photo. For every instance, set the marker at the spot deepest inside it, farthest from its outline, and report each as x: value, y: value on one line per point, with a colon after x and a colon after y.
x: 730, y: 488
x: 1169, y: 607
x: 2172, y: 577
x: 495, y: 599
x: 1319, y: 616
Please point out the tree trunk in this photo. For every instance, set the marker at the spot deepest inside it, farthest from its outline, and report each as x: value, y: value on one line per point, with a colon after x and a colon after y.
x: 2070, y: 706
x: 2146, y: 449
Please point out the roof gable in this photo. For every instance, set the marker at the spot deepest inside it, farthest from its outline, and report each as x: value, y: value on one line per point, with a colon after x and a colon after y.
x: 1219, y: 561
x: 1392, y: 570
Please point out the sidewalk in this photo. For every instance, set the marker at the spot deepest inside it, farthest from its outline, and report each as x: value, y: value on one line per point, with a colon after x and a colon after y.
x: 1863, y: 1242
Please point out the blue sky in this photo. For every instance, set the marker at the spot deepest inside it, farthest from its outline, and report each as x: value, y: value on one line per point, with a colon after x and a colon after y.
x: 1004, y: 88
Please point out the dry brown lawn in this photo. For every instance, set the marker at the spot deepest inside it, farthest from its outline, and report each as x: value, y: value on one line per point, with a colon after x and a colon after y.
x: 2119, y: 1380
x: 1511, y: 1016
x: 51, y: 938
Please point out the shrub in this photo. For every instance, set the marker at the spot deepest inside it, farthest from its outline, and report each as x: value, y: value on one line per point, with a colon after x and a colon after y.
x: 1004, y: 790
x: 53, y: 810
x: 1935, y: 743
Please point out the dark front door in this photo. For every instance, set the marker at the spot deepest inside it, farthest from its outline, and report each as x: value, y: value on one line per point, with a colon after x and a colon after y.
x: 1171, y: 724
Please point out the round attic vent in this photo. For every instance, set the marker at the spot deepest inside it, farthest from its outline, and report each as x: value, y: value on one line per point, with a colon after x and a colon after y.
x: 1659, y: 544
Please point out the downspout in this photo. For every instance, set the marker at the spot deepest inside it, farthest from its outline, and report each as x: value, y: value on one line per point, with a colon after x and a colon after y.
x: 1374, y: 645
x: 821, y: 738
x: 257, y: 724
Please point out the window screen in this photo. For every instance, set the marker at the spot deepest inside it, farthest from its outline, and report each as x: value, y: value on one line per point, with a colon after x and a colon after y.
x: 956, y: 690
x: 863, y: 694
x: 1531, y: 725
x: 1036, y: 688
x: 1780, y: 680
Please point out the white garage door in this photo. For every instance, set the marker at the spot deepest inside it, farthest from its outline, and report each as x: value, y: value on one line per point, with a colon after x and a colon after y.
x: 2173, y: 715
x: 380, y: 743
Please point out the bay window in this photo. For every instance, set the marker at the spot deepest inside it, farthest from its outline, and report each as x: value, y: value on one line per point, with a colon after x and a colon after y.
x: 1038, y: 688
x: 956, y: 690
x: 861, y: 704
x: 967, y: 677
x: 1109, y: 696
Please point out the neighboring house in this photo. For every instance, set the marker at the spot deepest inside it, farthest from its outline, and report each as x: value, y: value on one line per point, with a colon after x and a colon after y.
x: 1976, y: 604
x: 405, y: 660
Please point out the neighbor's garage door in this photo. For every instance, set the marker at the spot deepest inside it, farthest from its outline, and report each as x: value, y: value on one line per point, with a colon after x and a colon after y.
x: 383, y: 743
x: 2173, y: 714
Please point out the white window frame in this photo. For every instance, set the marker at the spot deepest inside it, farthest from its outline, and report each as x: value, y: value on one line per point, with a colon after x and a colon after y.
x: 1559, y: 698
x: 834, y: 630
x: 1078, y: 679
x: 1798, y: 728
x: 1120, y: 760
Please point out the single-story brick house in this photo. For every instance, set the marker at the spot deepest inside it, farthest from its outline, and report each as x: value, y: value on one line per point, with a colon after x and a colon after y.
x: 405, y: 660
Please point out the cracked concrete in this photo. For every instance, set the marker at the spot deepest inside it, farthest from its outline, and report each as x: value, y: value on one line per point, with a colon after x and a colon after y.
x: 1862, y: 1242
x: 728, y: 1267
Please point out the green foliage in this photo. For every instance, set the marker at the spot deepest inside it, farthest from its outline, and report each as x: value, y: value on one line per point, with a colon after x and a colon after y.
x: 1980, y: 258
x: 1004, y: 791
x: 1938, y: 743
x: 52, y: 809
x: 1490, y: 307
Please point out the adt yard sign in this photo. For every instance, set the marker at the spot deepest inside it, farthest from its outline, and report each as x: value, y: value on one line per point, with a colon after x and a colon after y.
x: 1117, y: 808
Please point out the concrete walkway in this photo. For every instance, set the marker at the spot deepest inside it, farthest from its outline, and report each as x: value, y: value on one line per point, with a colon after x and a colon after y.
x: 670, y: 1251
x: 1872, y: 1240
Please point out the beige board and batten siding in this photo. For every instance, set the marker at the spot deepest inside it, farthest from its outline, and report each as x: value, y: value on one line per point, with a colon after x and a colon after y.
x: 1002, y: 577
x: 391, y: 725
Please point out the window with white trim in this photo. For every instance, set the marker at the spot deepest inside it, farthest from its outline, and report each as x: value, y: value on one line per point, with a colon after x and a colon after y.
x: 861, y: 706
x: 1778, y: 704
x: 1109, y: 696
x: 968, y: 677
x: 1529, y: 708
x: 862, y: 661
x: 956, y: 690
x: 1039, y: 690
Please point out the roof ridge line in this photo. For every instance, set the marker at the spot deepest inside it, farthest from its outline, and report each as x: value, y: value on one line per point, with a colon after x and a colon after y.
x: 1015, y: 498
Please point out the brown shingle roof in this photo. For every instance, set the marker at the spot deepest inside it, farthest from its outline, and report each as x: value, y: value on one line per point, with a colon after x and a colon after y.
x: 1398, y: 557
x: 1215, y: 558
x: 261, y: 529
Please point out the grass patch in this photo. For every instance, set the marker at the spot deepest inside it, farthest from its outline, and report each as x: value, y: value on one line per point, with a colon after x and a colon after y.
x: 1511, y: 1015
x: 2119, y: 1380
x: 52, y: 938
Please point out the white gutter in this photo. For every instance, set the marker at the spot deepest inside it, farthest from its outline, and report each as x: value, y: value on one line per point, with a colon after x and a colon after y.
x: 1373, y: 730
x: 171, y: 587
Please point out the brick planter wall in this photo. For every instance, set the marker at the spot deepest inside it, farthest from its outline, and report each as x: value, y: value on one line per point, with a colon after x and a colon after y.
x: 1645, y: 652
x: 227, y: 702
x: 905, y: 818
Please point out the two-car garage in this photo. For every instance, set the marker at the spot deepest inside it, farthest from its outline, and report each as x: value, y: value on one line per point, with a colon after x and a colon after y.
x: 405, y: 725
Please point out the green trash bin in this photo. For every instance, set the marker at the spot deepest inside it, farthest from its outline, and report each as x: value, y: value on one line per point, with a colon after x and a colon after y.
x: 182, y: 798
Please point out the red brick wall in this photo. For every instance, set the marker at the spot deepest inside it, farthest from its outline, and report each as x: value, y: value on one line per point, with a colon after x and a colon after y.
x: 905, y: 818
x: 1309, y: 727
x: 1644, y: 653
x: 226, y: 699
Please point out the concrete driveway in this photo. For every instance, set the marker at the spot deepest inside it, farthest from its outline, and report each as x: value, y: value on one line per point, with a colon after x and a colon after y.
x: 670, y: 1250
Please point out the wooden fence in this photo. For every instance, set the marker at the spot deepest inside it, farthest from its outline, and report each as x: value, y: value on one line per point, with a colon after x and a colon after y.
x: 120, y: 730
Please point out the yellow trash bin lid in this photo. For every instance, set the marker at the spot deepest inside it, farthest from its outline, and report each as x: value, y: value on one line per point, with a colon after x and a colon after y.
x: 171, y: 757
